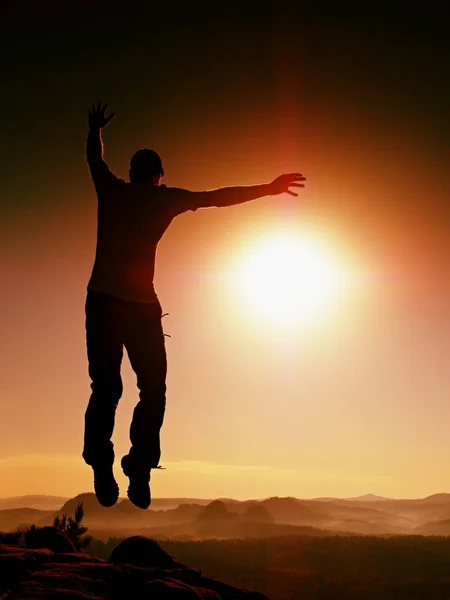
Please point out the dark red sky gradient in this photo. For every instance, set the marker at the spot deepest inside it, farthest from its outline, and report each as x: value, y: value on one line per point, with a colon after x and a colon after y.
x: 357, y: 101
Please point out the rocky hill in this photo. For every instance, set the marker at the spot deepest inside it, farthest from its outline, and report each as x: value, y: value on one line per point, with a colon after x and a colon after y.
x: 137, y: 568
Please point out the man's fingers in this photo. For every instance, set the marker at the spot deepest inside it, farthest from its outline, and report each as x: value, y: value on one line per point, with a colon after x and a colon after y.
x: 104, y: 108
x: 108, y: 119
x: 291, y: 193
x: 296, y: 185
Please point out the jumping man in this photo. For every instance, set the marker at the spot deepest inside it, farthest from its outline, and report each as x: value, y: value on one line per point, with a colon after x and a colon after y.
x: 123, y: 310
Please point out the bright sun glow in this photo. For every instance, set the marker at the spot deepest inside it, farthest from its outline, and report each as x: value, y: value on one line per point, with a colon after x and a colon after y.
x: 290, y: 278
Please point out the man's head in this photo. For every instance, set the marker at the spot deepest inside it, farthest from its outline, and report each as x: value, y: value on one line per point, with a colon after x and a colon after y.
x: 146, y: 167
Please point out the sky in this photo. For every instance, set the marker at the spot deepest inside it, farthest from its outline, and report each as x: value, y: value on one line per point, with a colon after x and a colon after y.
x: 351, y: 399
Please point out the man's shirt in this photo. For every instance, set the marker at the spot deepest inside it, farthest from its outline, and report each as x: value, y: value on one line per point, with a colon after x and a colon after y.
x: 132, y: 218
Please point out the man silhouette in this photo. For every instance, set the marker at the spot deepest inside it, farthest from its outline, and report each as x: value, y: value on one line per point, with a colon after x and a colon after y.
x: 123, y: 310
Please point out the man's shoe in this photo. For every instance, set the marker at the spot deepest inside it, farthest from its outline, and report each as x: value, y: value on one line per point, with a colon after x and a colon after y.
x: 139, y: 489
x: 105, y: 485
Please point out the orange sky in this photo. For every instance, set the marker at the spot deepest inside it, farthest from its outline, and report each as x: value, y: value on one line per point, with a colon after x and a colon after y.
x: 355, y: 403
x: 342, y: 408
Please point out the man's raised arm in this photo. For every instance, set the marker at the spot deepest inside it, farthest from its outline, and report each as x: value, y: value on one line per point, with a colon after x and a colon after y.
x: 94, y: 146
x: 97, y: 120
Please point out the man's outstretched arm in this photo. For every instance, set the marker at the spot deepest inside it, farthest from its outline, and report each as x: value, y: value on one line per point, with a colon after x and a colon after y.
x: 229, y: 196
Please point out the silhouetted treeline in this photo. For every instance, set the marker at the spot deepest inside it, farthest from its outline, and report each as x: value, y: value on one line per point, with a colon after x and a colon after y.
x: 319, y: 568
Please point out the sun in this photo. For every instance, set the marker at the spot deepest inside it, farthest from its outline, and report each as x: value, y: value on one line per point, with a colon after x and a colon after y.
x: 289, y: 278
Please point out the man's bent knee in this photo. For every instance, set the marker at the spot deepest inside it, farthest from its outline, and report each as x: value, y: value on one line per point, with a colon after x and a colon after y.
x: 106, y: 391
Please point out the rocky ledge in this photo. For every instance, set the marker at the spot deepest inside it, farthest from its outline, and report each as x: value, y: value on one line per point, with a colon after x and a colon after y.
x: 138, y: 568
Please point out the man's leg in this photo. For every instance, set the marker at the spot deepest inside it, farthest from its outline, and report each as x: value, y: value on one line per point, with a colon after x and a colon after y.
x: 105, y: 351
x: 145, y: 344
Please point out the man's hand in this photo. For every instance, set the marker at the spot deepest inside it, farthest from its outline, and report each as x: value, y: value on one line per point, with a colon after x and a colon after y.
x: 97, y: 118
x: 281, y: 184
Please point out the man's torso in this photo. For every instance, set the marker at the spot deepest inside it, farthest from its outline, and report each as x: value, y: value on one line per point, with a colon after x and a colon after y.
x: 131, y: 220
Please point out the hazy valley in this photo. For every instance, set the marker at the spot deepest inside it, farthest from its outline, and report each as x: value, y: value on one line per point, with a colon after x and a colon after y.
x: 196, y: 519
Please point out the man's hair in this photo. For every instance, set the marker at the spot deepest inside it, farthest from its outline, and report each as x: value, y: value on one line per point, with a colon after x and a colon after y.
x: 145, y: 164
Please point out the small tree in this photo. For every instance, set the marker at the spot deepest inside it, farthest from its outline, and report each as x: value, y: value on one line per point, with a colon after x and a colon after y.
x: 72, y: 527
x: 12, y: 538
x: 28, y: 534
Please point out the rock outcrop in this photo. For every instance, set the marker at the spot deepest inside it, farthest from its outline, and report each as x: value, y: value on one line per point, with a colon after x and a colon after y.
x: 39, y: 574
x: 258, y: 513
x: 50, y: 538
x: 142, y: 551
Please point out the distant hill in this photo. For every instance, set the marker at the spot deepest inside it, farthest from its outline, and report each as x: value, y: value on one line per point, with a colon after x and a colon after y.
x: 39, y: 502
x: 168, y: 503
x: 368, y: 498
x: 434, y: 528
x: 10, y: 519
x: 291, y: 511
x: 364, y: 498
x: 442, y: 498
